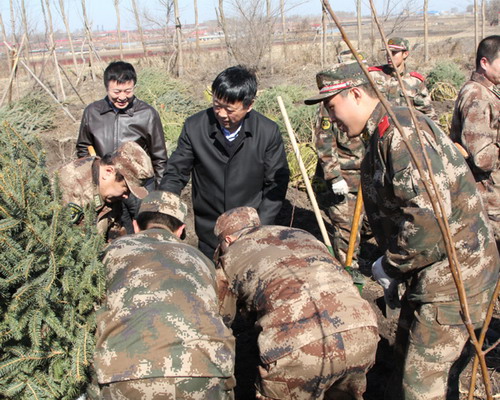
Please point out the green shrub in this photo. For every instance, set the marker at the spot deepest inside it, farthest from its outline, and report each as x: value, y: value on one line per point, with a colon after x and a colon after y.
x: 447, y: 71
x: 302, y: 117
x: 171, y: 98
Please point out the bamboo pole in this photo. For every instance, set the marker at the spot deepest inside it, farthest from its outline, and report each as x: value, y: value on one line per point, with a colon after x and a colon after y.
x: 434, y: 194
x: 303, y: 170
x: 44, y: 87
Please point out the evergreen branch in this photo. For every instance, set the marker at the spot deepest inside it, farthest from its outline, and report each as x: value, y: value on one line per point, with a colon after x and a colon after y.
x: 8, y: 126
x: 8, y: 223
x: 5, y: 212
x: 29, y: 386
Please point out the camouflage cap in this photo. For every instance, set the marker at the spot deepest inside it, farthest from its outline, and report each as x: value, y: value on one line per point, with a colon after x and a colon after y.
x: 398, y: 44
x: 235, y: 220
x: 165, y: 203
x: 346, y: 56
x: 134, y: 164
x: 334, y: 80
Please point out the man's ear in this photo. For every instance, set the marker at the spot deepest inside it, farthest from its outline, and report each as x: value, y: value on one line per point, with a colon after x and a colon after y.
x: 229, y: 239
x: 357, y: 93
x: 405, y: 54
x: 108, y: 171
x: 136, y: 226
x: 178, y: 232
x: 483, y: 63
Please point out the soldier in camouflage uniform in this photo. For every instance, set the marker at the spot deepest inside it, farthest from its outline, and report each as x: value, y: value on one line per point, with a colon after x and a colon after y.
x: 318, y: 336
x: 159, y: 334
x: 103, y: 183
x: 431, y: 335
x: 340, y: 160
x: 387, y: 82
x: 476, y: 126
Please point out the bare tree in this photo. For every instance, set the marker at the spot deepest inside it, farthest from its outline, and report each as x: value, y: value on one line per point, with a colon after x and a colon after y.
x: 476, y: 30
x: 249, y: 32
x: 426, y: 31
x: 52, y: 45
x: 24, y: 20
x: 64, y: 17
x: 221, y: 17
x: 12, y: 21
x: 4, y: 38
x: 324, y: 20
x: 483, y: 17
x: 196, y: 25
x: 283, y: 28
x: 396, y: 13
x: 178, y: 36
x: 139, y: 26
x: 360, y: 33
x: 118, y: 28
x: 88, y: 32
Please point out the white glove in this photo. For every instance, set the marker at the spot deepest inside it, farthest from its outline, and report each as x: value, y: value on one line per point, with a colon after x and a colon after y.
x: 340, y: 188
x: 389, y: 284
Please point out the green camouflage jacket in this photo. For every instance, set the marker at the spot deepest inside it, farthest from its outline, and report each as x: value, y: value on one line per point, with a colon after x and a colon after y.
x: 299, y: 292
x: 402, y: 218
x: 160, y: 315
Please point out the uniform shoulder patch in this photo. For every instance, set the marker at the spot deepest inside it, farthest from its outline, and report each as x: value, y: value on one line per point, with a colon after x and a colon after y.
x: 370, y: 69
x: 325, y: 123
x: 417, y: 75
x: 383, y: 125
x: 76, y: 213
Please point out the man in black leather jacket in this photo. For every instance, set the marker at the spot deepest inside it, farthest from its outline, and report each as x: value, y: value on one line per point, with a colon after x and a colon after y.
x: 235, y: 155
x: 121, y: 117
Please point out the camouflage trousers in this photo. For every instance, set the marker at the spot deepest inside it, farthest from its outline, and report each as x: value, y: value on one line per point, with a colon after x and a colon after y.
x: 341, y: 213
x: 432, y: 349
x: 490, y: 194
x: 184, y: 388
x: 331, y: 368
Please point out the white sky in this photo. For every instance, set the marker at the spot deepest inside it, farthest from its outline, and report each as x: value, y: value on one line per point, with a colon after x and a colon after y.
x: 102, y: 12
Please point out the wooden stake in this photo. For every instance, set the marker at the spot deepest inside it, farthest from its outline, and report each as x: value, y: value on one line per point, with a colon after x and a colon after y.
x: 303, y: 170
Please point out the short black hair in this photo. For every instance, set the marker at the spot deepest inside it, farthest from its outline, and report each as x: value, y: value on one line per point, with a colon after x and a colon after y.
x: 234, y: 84
x: 488, y: 48
x: 147, y: 219
x: 119, y: 71
x: 108, y: 159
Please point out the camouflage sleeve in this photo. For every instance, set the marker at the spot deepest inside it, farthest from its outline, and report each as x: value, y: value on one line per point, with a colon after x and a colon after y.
x: 325, y: 146
x: 419, y: 242
x: 477, y: 136
x: 227, y: 298
x: 422, y: 102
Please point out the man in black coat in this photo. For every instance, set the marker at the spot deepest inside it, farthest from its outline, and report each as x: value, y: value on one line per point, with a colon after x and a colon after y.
x: 235, y: 155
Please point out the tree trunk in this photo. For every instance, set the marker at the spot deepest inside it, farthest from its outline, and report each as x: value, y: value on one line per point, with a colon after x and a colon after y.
x: 324, y: 19
x: 24, y: 20
x: 222, y: 22
x: 68, y: 31
x: 118, y: 27
x: 12, y: 22
x: 360, y: 34
x: 88, y: 33
x: 283, y: 28
x: 178, y: 35
x: 196, y: 26
x: 483, y: 18
x: 426, y: 31
x: 5, y: 39
x: 476, y: 30
x: 139, y: 27
x: 268, y: 16
x: 52, y: 45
